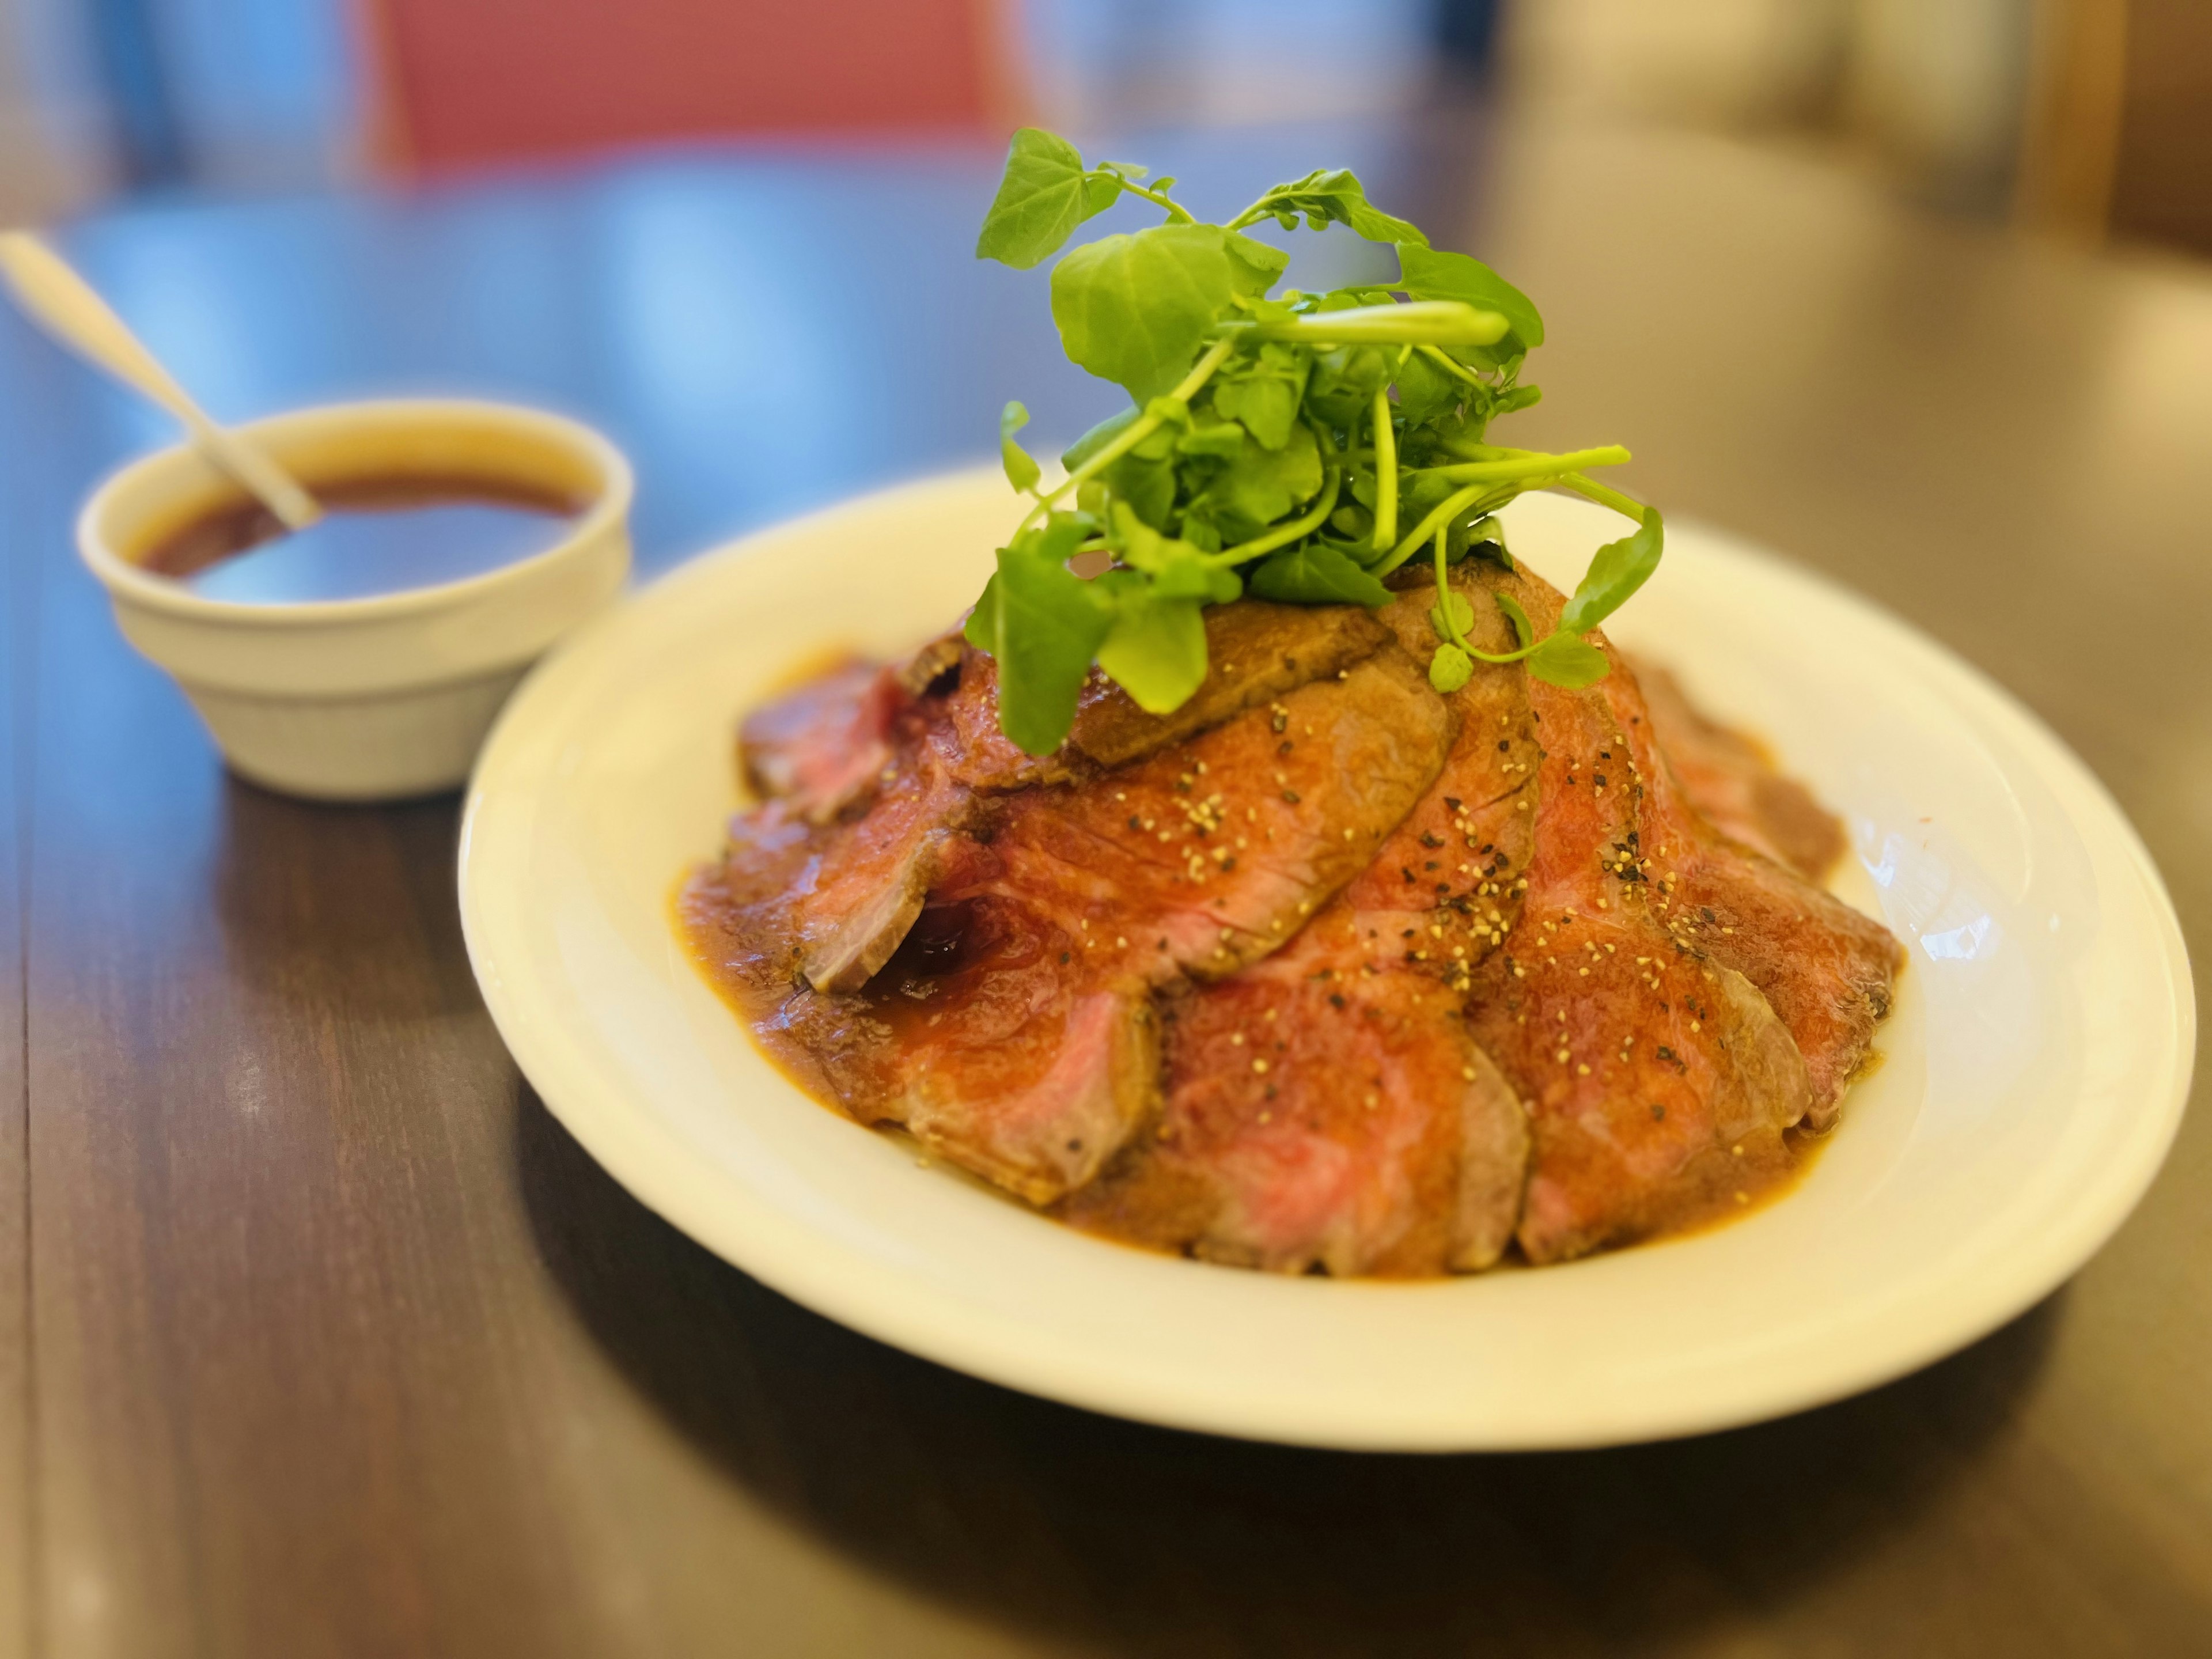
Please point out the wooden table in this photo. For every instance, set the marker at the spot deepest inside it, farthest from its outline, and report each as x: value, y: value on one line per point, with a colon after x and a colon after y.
x: 318, y: 1336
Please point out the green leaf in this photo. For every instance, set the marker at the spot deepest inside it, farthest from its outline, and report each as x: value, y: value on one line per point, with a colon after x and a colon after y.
x: 1617, y: 569
x: 1098, y: 438
x: 1425, y: 391
x: 1431, y: 275
x: 1134, y: 309
x: 981, y: 627
x: 1266, y: 407
x: 1564, y: 660
x: 1145, y: 484
x: 1156, y: 651
x: 1260, y: 485
x: 1342, y: 387
x: 1254, y: 265
x: 1315, y: 573
x: 1479, y: 533
x: 1219, y: 439
x: 1043, y: 196
x: 1178, y: 569
x: 1262, y: 389
x: 1450, y: 669
x: 1022, y: 469
x: 1335, y: 194
x: 1420, y: 493
x: 1463, y: 614
x: 1523, y: 631
x: 1049, y: 624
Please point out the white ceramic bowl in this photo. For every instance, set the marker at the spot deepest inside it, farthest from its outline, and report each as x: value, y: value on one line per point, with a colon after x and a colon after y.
x: 376, y: 698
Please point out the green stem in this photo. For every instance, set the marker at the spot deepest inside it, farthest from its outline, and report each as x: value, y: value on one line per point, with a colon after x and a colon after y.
x: 1460, y: 639
x: 1422, y: 322
x: 1386, y: 474
x: 1177, y: 213
x: 1444, y: 596
x: 1481, y: 451
x: 1135, y: 433
x: 1284, y: 534
x: 1442, y: 518
x: 1510, y: 656
x: 1530, y: 466
x: 1626, y: 506
x: 1503, y: 656
x: 1438, y: 521
x: 1252, y: 214
x: 1452, y: 366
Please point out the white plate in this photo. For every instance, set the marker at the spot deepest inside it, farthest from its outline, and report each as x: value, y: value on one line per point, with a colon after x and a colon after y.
x: 2035, y: 1071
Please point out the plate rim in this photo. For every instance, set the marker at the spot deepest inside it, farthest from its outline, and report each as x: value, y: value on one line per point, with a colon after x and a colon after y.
x: 678, y: 1198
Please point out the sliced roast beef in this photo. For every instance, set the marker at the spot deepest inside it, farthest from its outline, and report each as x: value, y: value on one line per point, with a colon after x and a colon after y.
x: 1013, y: 1029
x: 825, y: 744
x: 1325, y: 972
x: 1004, y: 1046
x: 963, y: 729
x: 1328, y: 1106
x: 980, y: 998
x: 1627, y: 868
x: 932, y: 667
x: 896, y: 758
x: 1826, y: 969
x: 1137, y: 878
x: 1212, y: 855
x: 737, y: 915
x: 1254, y: 651
x: 821, y: 745
x: 1733, y: 781
x: 1646, y: 1067
x: 865, y: 884
x: 1347, y: 1122
x: 1655, y: 1100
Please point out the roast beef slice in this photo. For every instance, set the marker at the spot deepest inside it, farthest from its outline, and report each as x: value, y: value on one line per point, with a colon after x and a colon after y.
x: 1733, y: 781
x: 1013, y: 1029
x: 1348, y: 1123
x: 1327, y: 1106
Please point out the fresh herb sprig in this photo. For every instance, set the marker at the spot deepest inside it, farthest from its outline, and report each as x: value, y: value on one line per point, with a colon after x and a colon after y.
x: 1300, y: 447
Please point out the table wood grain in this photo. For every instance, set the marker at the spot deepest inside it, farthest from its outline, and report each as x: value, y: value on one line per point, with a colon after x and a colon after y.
x: 14, y: 1211
x: 318, y: 1336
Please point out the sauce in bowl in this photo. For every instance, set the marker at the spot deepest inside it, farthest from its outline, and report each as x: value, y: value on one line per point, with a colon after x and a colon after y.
x: 378, y: 535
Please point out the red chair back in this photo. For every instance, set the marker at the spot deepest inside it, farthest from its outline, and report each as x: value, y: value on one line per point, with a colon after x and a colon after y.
x: 466, y: 82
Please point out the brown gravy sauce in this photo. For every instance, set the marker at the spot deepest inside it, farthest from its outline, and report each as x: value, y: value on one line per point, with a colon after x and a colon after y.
x: 704, y: 917
x: 380, y: 534
x: 1723, y: 1198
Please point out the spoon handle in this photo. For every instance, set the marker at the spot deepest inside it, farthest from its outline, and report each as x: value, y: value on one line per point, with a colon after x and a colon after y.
x: 67, y: 306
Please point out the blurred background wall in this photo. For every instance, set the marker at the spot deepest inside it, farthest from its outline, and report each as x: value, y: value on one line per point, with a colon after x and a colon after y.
x: 2091, y: 119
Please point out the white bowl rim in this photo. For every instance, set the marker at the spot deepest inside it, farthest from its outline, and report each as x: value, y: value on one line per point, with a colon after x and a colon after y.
x: 126, y: 582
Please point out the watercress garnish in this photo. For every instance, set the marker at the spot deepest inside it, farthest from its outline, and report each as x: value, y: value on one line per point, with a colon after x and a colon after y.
x: 1304, y: 446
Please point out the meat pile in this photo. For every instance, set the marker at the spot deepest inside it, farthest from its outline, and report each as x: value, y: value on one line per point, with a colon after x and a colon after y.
x: 1323, y: 971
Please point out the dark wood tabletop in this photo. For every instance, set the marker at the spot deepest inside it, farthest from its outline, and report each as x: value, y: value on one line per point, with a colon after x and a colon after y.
x: 318, y: 1336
